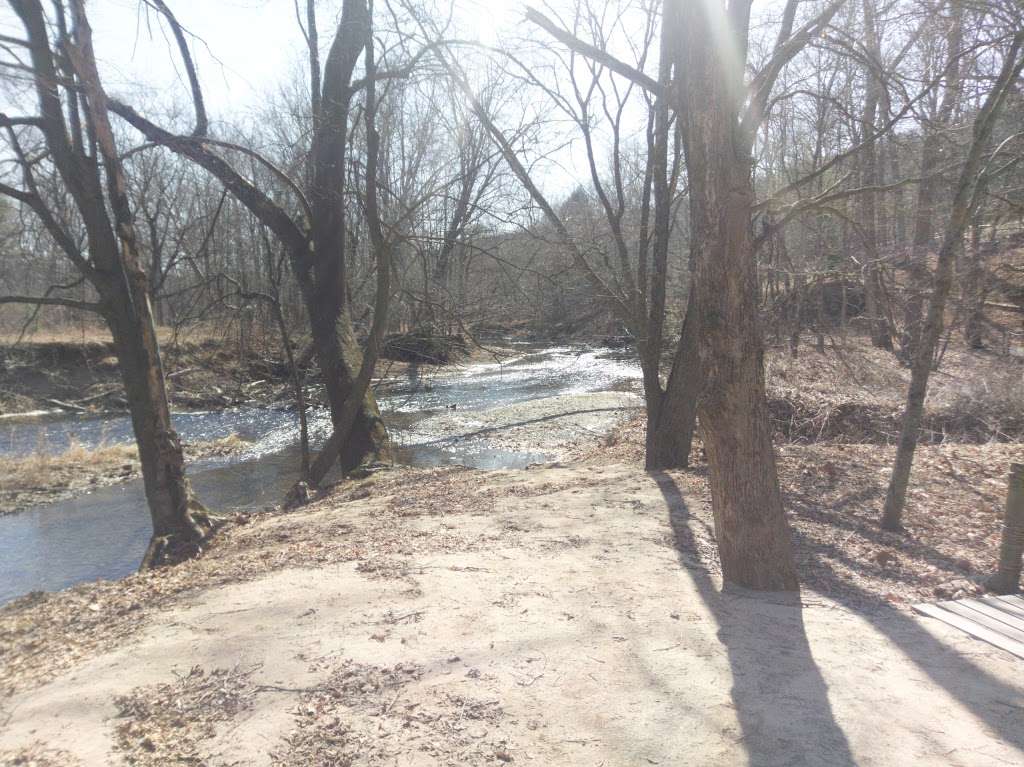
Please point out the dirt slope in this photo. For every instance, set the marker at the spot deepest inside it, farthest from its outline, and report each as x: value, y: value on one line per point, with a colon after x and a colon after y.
x: 549, y: 616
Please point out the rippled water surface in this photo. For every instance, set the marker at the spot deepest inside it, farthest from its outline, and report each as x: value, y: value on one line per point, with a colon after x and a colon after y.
x: 104, y: 533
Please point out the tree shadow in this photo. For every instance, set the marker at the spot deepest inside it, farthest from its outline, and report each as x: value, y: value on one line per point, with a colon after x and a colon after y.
x: 994, y: 702
x: 780, y: 697
x: 834, y: 515
x: 991, y: 700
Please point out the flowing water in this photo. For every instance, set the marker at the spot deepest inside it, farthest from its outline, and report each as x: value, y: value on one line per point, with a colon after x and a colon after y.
x: 103, y: 534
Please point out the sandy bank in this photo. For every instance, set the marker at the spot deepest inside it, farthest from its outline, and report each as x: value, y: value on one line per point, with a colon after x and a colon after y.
x: 550, y: 616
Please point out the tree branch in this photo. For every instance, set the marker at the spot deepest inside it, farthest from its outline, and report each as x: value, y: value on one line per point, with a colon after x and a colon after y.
x: 88, y: 306
x: 593, y: 52
x: 261, y: 206
x: 202, y: 122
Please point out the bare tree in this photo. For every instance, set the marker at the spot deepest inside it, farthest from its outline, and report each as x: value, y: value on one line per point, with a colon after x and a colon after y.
x: 719, y: 114
x: 315, y: 237
x: 927, y: 189
x: 963, y: 203
x: 79, y: 143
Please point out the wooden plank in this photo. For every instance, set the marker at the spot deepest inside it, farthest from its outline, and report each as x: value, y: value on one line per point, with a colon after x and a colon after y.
x: 972, y: 628
x: 982, y: 613
x: 1013, y: 605
x: 995, y: 610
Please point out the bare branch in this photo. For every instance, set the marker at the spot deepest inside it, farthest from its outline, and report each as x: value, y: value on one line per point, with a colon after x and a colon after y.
x: 261, y: 206
x: 202, y: 123
x: 88, y: 306
x: 762, y: 84
x: 593, y: 52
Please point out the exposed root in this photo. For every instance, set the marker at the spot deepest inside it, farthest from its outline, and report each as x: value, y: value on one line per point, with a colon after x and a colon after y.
x: 188, y: 543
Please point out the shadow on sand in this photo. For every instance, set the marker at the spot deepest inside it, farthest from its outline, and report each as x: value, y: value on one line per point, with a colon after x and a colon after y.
x: 779, y: 693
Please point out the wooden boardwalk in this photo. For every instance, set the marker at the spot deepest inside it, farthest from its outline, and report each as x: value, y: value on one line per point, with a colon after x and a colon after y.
x: 996, y: 620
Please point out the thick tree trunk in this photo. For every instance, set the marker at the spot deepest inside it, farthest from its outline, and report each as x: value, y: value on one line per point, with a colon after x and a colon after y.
x: 750, y: 523
x: 325, y: 285
x: 180, y: 522
x: 339, y: 358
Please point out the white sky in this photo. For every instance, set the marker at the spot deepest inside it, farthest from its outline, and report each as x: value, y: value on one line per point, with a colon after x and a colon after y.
x: 251, y: 46
x: 247, y: 49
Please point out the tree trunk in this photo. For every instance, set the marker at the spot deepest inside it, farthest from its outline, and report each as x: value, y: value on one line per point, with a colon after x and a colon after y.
x: 339, y: 357
x: 672, y: 413
x: 878, y: 327
x: 180, y: 522
x: 750, y: 524
x: 895, y: 498
x: 974, y: 293
x: 918, y: 276
x: 325, y: 284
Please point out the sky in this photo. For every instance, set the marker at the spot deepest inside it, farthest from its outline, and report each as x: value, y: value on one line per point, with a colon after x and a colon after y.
x: 246, y: 48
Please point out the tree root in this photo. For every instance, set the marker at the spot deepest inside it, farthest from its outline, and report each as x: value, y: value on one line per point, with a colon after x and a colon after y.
x: 188, y: 543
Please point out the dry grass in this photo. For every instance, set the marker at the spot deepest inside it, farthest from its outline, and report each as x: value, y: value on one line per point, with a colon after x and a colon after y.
x: 858, y: 372
x: 45, y: 476
x: 97, y: 333
x: 856, y: 393
x: 43, y: 470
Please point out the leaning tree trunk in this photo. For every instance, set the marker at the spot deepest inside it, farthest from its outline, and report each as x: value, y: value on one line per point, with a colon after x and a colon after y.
x: 324, y: 282
x: 918, y: 276
x: 750, y: 523
x: 180, y: 522
x: 339, y: 358
x: 672, y: 413
x: 895, y: 499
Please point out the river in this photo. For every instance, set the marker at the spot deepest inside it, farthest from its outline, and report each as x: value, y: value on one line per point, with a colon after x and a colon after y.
x: 473, y: 416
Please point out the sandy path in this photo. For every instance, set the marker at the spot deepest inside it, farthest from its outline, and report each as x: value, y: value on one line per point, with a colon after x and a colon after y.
x: 558, y: 624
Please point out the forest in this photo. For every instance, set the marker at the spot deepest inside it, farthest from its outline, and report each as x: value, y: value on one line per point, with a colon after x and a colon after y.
x: 574, y: 382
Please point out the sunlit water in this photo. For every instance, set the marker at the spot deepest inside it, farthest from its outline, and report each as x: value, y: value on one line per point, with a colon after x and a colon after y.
x: 104, y: 533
